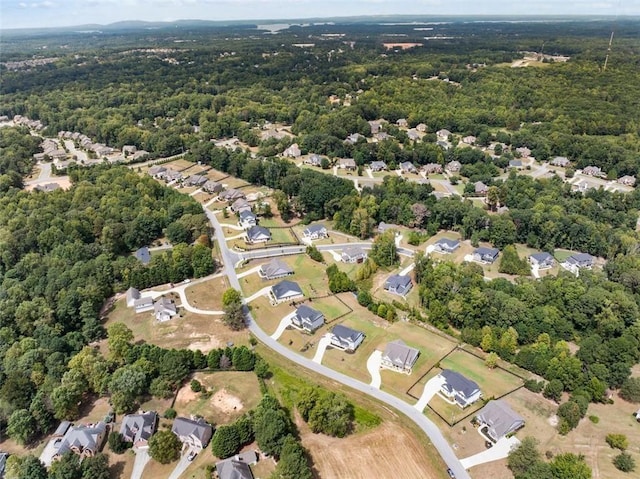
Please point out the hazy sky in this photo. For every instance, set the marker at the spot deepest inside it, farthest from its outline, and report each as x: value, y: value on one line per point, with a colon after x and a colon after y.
x: 42, y: 13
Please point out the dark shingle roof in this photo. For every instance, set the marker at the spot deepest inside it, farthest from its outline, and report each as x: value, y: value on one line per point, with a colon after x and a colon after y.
x: 285, y: 288
x: 458, y: 382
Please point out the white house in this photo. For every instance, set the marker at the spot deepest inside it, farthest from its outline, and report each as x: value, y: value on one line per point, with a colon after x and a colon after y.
x: 498, y: 420
x: 346, y: 338
x: 314, y: 232
x: 164, y: 309
x: 446, y: 246
x: 542, y: 260
x: 285, y: 291
x: 193, y: 433
x: 459, y: 390
x: 399, y: 357
x: 307, y: 318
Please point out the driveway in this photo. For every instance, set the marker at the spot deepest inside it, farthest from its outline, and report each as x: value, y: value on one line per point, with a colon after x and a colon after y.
x: 322, y: 347
x: 430, y: 390
x: 500, y: 450
x: 141, y: 460
x: 373, y: 366
x: 407, y: 270
x: 263, y: 292
x: 182, y: 465
x: 284, y: 323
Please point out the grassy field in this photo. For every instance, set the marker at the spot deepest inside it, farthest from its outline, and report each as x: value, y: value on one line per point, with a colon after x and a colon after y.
x: 207, y: 295
x: 282, y: 235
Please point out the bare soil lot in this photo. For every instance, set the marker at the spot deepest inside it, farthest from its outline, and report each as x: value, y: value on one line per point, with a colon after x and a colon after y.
x: 207, y: 295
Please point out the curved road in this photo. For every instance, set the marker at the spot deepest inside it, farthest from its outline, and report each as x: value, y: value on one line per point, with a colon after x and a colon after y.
x: 429, y: 428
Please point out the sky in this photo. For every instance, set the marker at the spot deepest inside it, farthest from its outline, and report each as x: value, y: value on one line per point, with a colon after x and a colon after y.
x: 56, y: 13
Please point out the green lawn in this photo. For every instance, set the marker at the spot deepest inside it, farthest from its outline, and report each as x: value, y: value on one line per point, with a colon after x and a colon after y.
x: 282, y: 235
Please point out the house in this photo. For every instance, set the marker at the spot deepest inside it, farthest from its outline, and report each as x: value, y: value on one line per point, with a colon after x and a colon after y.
x: 376, y: 126
x: 398, y: 284
x: 164, y: 309
x: 384, y: 227
x: 402, y: 123
x: 560, y: 161
x: 421, y: 127
x: 143, y: 304
x: 453, y: 166
x: 85, y: 441
x: 354, y: 138
x: 353, y: 254
x: 413, y: 134
x: 458, y: 389
x: 485, y: 255
x: 157, y: 171
x: 285, y: 291
x: 378, y: 166
x: 247, y: 219
x: 515, y: 164
x: 408, y: 167
x: 138, y: 428
x: 314, y: 232
x: 241, y: 204
x: 542, y: 260
x: 525, y: 152
x: 627, y: 180
x: 129, y: 149
x: 47, y: 187
x: 211, y: 186
x: 276, y: 268
x: 171, y: 175
x: 580, y: 261
x: 132, y: 294
x: 446, y: 246
x: 195, y: 180
x: 307, y: 318
x: 292, y: 152
x: 231, y: 195
x: 346, y: 338
x: 443, y: 134
x: 592, y: 171
x: 62, y: 429
x: 399, y: 357
x: 313, y: 160
x: 193, y: 433
x: 257, y: 234
x: 237, y: 467
x: 498, y: 420
x: 143, y: 255
x: 469, y: 140
x: 347, y: 164
x: 445, y: 145
x: 480, y: 188
x: 430, y: 168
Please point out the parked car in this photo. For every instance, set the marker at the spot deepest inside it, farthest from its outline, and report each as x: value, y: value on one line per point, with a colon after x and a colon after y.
x: 192, y: 455
x: 451, y: 474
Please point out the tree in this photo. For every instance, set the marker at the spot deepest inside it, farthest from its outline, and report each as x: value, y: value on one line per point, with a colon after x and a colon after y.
x: 126, y: 385
x: 233, y: 309
x: 96, y: 467
x: 553, y: 390
x: 491, y: 361
x: 68, y: 467
x: 624, y: 462
x: 164, y: 447
x: 293, y: 462
x: 630, y: 390
x: 243, y: 359
x: 325, y: 411
x: 511, y: 263
x: 119, y: 340
x: 384, y: 251
x: 314, y: 253
x: 570, y: 415
x: 226, y: 441
x: 271, y: 424
x: 570, y: 466
x: 524, y: 456
x: 617, y: 441
x: 117, y: 443
x: 25, y: 467
x: 21, y: 426
x: 196, y: 386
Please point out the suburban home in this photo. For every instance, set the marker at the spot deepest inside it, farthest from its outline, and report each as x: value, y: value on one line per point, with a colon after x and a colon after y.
x: 247, y: 219
x: 193, y: 433
x: 314, y: 232
x: 413, y: 134
x: 421, y: 127
x: 430, y: 168
x: 593, y: 171
x: 211, y: 186
x: 164, y: 309
x: 157, y: 171
x: 62, y: 429
x: 378, y: 166
x: 346, y: 338
x: 347, y: 164
x: 376, y: 125
x: 313, y: 160
x: 445, y: 145
x: 515, y: 164
x: 542, y: 260
x: 241, y: 204
x: 354, y: 138
x: 398, y: 284
x: 408, y: 167
x: 458, y: 389
x: 47, y: 187
x: 402, y: 123
x: 384, y: 227
x: 129, y: 149
x: 524, y: 152
x: 257, y: 234
x: 498, y: 420
x: 399, y: 357
x: 143, y: 304
x: 292, y: 152
x: 143, y: 255
x: 85, y: 441
x: 285, y: 291
x: 354, y: 254
x: 446, y: 246
x: 231, y: 195
x: 443, y: 134
x: 480, y: 188
x: 381, y: 136
x: 485, y: 255
x: 453, y: 166
x: 276, y: 268
x: 560, y: 161
x: 308, y: 318
x: 469, y: 140
x: 237, y: 467
x: 195, y: 180
x: 580, y: 261
x: 627, y: 180
x: 138, y: 428
x: 171, y: 175
x: 132, y: 294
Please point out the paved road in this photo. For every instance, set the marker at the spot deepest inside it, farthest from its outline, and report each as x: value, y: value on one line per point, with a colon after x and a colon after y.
x: 429, y: 428
x: 80, y: 155
x: 180, y: 290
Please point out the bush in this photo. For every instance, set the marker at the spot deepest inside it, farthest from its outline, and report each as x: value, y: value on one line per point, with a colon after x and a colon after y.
x: 170, y: 413
x: 314, y: 254
x: 594, y: 419
x: 624, y: 462
x: 617, y: 441
x: 553, y: 390
x: 533, y: 385
x: 117, y: 444
x: 630, y: 390
x: 196, y: 387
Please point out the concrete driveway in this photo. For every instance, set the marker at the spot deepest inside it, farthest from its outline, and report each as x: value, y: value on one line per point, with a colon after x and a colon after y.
x: 284, y: 323
x: 430, y: 389
x: 141, y: 460
x: 373, y: 366
x: 324, y: 342
x: 182, y: 465
x: 500, y: 450
x: 263, y: 292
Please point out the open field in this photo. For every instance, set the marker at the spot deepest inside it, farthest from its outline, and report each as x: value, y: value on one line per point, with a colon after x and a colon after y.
x: 120, y: 465
x: 207, y: 295
x: 187, y: 330
x: 231, y: 394
x: 267, y: 316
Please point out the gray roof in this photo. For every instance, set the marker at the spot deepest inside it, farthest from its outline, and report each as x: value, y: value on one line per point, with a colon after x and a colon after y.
x: 164, y: 305
x: 353, y: 251
x: 285, y: 288
x: 233, y: 469
x: 132, y: 294
x: 317, y: 228
x: 3, y: 461
x: 400, y: 354
x: 62, y: 428
x: 345, y: 333
x: 487, y: 252
x: 542, y: 257
x: 398, y: 282
x: 449, y: 243
x: 500, y: 418
x: 232, y: 194
x: 143, y: 255
x: 457, y: 382
x: 580, y: 258
x: 256, y: 232
x: 82, y: 437
x: 407, y: 165
x: 378, y: 165
x: 142, y: 301
x: 515, y: 163
x: 239, y: 204
x: 139, y: 427
x: 276, y: 267
x: 246, y: 214
x: 305, y: 313
x: 184, y: 427
x: 382, y: 227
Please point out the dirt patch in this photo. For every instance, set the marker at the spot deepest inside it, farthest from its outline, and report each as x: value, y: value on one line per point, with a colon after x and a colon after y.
x: 553, y: 420
x: 186, y: 395
x: 225, y: 402
x: 203, y: 344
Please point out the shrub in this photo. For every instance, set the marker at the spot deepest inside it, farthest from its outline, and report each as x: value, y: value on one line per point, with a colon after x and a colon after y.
x: 170, y: 413
x: 630, y: 390
x: 594, y: 419
x: 617, y: 441
x: 533, y: 385
x: 117, y: 444
x: 196, y: 387
x: 314, y: 254
x: 624, y: 462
